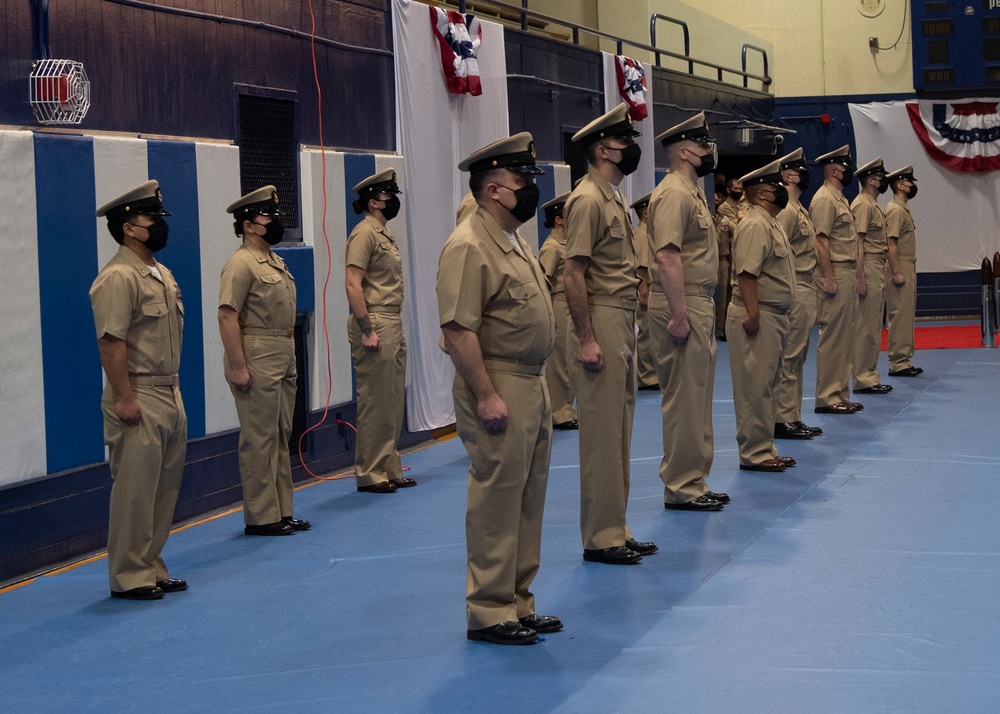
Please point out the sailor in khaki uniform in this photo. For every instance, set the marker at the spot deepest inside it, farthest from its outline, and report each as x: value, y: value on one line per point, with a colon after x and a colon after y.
x: 757, y: 324
x: 257, y: 326
x: 645, y: 364
x: 552, y: 258
x: 728, y: 217
x: 374, y: 284
x: 683, y: 239
x: 794, y: 220
x: 466, y: 208
x: 139, y: 318
x: 869, y: 221
x: 602, y: 289
x: 901, y: 273
x: 836, y: 283
x: 498, y: 328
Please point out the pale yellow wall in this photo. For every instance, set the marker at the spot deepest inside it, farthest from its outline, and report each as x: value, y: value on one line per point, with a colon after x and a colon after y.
x: 580, y: 12
x: 711, y: 40
x: 820, y: 47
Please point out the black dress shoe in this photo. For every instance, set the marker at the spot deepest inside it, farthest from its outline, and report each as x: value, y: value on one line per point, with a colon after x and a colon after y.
x: 702, y: 503
x: 838, y: 408
x: 788, y: 461
x: 645, y: 387
x: 875, y: 389
x: 148, y: 592
x: 296, y: 524
x: 790, y: 431
x: 570, y: 425
x: 506, y: 633
x: 541, y: 624
x: 402, y: 482
x: 769, y: 465
x: 640, y: 547
x: 720, y: 497
x: 814, y: 430
x: 908, y: 372
x: 381, y: 487
x: 172, y: 585
x: 277, y: 528
x: 618, y: 555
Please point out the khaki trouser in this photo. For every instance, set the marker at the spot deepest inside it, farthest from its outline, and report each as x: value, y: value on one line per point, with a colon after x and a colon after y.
x: 868, y: 327
x: 802, y: 318
x: 381, y: 380
x: 556, y: 374
x: 606, y: 405
x: 724, y: 294
x: 755, y: 363
x: 835, y: 315
x: 265, y: 414
x: 901, y: 306
x: 147, y: 462
x: 687, y: 381
x: 645, y: 364
x: 508, y: 474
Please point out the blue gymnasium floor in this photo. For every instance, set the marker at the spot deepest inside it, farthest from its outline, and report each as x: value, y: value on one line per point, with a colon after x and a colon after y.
x: 863, y: 580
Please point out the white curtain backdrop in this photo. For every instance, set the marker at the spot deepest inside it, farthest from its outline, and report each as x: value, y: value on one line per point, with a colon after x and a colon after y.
x: 643, y: 180
x: 434, y: 131
x: 957, y: 214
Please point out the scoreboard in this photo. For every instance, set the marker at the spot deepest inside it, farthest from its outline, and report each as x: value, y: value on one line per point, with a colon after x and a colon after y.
x: 956, y: 44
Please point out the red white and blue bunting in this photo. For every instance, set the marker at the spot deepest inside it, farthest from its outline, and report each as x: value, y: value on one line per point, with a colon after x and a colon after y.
x: 459, y: 37
x: 963, y: 135
x: 632, y: 86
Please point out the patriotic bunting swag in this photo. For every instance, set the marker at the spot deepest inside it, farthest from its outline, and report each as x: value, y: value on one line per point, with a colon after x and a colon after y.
x: 458, y: 36
x: 632, y: 86
x: 962, y: 135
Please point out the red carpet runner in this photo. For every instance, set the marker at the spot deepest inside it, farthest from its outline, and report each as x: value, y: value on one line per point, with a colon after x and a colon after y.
x: 942, y: 338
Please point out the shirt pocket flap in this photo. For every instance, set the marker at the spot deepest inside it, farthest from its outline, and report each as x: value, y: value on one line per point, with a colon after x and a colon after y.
x: 271, y: 278
x: 522, y: 291
x: 154, y: 309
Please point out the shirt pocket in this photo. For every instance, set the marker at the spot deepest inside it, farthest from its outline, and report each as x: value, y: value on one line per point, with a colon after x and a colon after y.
x: 153, y: 314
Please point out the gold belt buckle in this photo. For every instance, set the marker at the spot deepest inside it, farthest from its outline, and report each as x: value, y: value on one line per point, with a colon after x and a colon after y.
x: 291, y: 332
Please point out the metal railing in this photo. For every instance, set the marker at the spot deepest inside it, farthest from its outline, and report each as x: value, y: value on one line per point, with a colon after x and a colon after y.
x: 687, y: 40
x: 525, y: 14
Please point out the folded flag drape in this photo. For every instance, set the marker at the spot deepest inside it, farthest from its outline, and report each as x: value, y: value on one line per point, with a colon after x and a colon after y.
x: 459, y: 37
x: 632, y: 86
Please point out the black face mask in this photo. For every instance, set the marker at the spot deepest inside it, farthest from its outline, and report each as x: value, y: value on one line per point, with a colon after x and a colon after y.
x: 158, y: 233
x: 780, y: 197
x: 848, y: 175
x: 736, y: 195
x: 527, y: 202
x: 273, y: 231
x: 911, y: 192
x: 805, y: 180
x: 707, y: 165
x: 391, y: 209
x: 883, y: 184
x: 630, y: 159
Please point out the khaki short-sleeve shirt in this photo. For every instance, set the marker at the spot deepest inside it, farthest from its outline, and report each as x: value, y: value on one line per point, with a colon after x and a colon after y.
x: 831, y: 215
x: 486, y: 285
x: 552, y: 258
x: 794, y: 220
x: 372, y: 247
x: 869, y: 220
x: 679, y: 217
x: 598, y: 228
x: 727, y: 219
x: 131, y: 304
x: 643, y: 254
x: 761, y: 249
x: 260, y: 288
x: 900, y: 226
